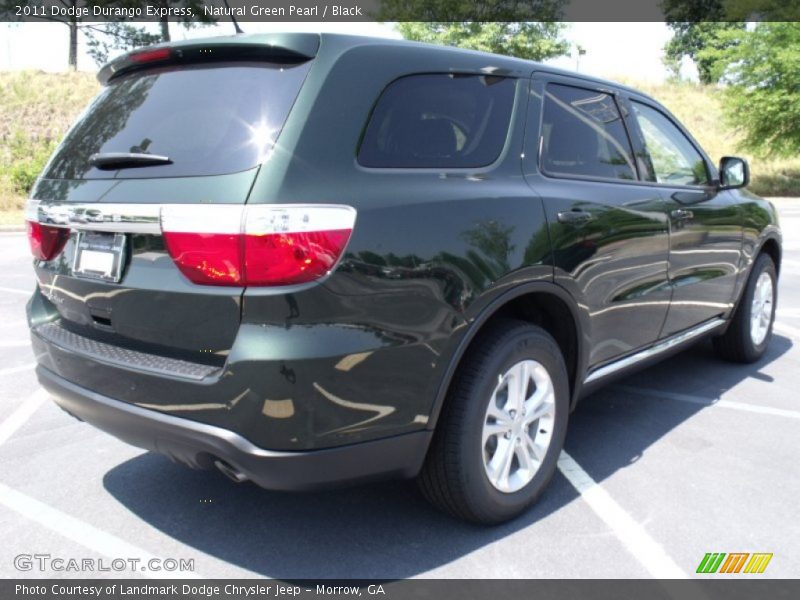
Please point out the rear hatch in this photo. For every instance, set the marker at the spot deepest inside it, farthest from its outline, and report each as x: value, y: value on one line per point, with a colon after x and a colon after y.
x: 167, y: 152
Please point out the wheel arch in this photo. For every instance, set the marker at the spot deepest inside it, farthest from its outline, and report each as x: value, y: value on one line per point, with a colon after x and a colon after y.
x: 541, y: 303
x: 772, y: 247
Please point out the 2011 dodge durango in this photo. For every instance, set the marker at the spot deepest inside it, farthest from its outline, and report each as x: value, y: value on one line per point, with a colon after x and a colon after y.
x: 311, y: 260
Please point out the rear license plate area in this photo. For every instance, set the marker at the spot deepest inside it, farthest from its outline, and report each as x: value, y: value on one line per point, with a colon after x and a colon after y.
x: 99, y: 256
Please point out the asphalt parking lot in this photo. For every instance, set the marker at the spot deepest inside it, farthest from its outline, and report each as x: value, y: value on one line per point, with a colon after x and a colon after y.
x: 691, y: 456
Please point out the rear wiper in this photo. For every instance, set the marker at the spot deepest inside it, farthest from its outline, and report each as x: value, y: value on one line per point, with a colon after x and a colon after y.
x: 127, y: 160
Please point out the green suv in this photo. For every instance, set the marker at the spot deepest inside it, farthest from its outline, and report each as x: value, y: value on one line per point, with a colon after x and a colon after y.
x: 309, y: 260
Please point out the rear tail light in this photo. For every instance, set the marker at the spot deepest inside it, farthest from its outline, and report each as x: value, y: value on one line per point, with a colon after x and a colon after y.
x: 46, y: 241
x: 264, y: 245
x: 217, y: 244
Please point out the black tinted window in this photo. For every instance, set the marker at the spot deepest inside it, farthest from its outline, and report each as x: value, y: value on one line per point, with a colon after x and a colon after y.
x: 439, y: 121
x: 583, y: 134
x: 673, y: 158
x: 207, y: 120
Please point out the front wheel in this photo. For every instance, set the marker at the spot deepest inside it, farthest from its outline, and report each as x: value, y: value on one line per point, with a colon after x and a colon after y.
x: 502, y: 428
x: 750, y: 331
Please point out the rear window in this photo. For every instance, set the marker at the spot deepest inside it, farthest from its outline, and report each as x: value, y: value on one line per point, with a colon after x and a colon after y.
x: 209, y: 120
x: 439, y: 121
x: 583, y: 135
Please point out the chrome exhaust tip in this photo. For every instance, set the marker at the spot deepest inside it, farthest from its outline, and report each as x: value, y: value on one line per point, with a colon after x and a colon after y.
x: 230, y: 472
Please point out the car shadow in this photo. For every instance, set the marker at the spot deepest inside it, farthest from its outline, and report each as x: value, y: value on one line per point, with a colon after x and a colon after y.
x: 387, y: 530
x: 613, y: 427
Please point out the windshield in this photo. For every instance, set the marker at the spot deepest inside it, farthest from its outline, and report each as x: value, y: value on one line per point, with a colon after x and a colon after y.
x: 208, y: 120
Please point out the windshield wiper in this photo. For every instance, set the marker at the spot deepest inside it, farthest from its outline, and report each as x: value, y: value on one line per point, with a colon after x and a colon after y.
x: 127, y: 160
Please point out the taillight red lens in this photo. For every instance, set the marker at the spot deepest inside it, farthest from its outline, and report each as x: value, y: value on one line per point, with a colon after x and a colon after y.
x: 46, y: 242
x: 260, y: 245
x: 287, y: 258
x: 207, y: 258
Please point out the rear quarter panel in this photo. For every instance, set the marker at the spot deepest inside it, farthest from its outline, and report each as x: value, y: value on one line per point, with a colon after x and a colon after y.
x: 431, y: 248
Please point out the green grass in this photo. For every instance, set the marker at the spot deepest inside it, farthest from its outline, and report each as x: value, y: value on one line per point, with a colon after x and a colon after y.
x: 37, y: 108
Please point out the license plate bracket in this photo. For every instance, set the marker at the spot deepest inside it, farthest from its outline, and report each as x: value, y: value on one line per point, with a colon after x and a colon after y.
x: 99, y: 255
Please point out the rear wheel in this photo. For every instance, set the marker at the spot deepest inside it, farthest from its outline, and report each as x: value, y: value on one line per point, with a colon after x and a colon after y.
x: 750, y: 331
x: 502, y: 428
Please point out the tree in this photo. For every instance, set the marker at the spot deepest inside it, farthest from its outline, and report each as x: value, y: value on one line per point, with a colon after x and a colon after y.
x: 8, y: 11
x: 695, y: 40
x: 763, y: 96
x: 525, y: 29
x: 102, y: 38
x: 530, y: 40
x: 698, y: 26
x: 120, y: 36
x: 75, y: 23
x: 105, y: 39
x: 762, y: 10
x: 187, y: 21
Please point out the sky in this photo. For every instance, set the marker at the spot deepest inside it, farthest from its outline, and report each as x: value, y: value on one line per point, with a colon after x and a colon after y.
x: 612, y: 49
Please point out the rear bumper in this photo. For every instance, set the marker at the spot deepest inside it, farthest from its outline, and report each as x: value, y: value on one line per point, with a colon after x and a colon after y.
x: 288, y: 388
x: 199, y: 445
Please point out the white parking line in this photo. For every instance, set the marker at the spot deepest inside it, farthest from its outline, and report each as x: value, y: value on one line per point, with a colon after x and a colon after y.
x: 665, y: 395
x: 15, y: 291
x: 20, y: 369
x: 632, y: 535
x: 73, y: 529
x: 82, y: 533
x: 20, y: 416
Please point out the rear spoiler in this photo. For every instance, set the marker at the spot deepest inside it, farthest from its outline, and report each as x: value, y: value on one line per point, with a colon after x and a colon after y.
x: 276, y: 48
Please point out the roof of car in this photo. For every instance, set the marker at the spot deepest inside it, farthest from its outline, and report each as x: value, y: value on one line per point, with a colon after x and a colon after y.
x: 356, y: 40
x: 343, y: 41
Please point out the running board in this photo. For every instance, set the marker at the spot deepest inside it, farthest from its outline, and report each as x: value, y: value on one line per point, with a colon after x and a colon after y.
x: 663, y: 346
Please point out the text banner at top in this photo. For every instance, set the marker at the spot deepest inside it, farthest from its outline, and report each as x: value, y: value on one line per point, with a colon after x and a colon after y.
x: 244, y: 11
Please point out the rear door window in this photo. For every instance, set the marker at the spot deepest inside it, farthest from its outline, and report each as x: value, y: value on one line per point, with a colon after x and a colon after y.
x: 583, y: 135
x: 439, y: 121
x: 207, y: 119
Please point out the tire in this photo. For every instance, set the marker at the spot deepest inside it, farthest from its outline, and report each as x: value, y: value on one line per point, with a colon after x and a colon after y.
x: 742, y: 342
x: 455, y: 477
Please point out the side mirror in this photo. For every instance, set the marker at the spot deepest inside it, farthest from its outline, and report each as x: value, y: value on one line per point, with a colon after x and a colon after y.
x: 734, y: 173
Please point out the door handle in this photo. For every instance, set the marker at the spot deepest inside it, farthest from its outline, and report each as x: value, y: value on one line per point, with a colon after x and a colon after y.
x: 574, y: 216
x: 682, y: 214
